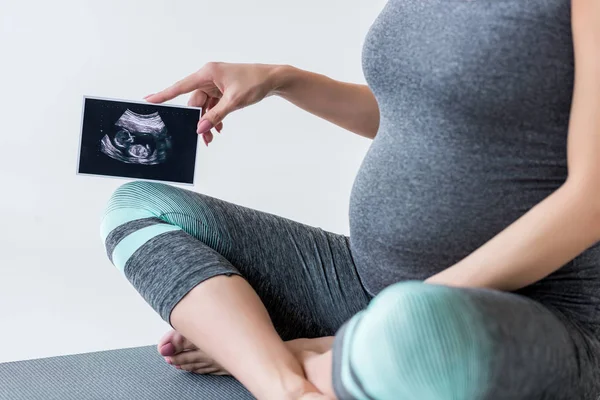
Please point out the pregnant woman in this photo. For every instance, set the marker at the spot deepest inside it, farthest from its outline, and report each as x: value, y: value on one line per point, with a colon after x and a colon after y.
x: 472, y: 269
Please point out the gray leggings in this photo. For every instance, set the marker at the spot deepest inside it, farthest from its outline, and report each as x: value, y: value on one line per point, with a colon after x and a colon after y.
x: 412, y: 341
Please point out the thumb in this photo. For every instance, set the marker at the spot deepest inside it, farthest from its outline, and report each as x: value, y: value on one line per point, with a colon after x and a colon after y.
x: 216, y: 114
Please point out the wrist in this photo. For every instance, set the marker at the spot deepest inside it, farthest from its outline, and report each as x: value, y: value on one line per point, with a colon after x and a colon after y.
x: 282, y: 78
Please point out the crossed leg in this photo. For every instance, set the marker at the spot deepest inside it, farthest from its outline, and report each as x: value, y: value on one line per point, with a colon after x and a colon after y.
x: 235, y: 282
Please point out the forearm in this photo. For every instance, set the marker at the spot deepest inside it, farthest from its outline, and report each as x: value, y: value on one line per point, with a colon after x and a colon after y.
x: 548, y: 236
x: 348, y: 105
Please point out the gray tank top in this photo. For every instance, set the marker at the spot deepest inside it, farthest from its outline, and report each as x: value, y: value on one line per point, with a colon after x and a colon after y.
x: 475, y: 99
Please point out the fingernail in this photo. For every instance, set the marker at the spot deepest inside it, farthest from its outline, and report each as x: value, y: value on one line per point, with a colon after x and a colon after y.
x: 218, y: 129
x: 148, y: 96
x: 204, y: 126
x: 168, y: 360
x: 205, y: 142
x: 178, y: 367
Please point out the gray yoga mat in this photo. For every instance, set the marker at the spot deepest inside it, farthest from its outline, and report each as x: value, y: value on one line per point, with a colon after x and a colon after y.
x: 129, y: 374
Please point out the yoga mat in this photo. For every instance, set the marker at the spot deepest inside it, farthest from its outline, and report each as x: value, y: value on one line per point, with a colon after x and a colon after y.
x: 130, y: 374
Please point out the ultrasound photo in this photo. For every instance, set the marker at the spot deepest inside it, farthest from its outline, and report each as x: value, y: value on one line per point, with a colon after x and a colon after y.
x: 138, y: 140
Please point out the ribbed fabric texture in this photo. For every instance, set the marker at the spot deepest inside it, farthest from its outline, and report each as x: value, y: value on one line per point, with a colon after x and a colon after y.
x: 173, y: 206
x: 418, y: 341
x: 421, y: 342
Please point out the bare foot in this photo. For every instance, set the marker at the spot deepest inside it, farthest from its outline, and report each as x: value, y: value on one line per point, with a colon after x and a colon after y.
x: 184, y: 355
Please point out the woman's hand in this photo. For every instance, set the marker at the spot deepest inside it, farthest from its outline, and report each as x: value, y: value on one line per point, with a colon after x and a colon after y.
x: 221, y: 88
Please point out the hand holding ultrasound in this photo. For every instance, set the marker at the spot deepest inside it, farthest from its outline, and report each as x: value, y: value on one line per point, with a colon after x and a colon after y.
x: 221, y: 88
x: 159, y: 142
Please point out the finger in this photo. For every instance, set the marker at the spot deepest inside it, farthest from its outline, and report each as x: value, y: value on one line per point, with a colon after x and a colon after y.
x: 213, y: 101
x: 210, y: 103
x: 216, y: 114
x: 185, y: 85
x: 207, y: 137
x: 197, y: 99
x: 200, y: 127
x: 204, y: 106
x: 202, y: 113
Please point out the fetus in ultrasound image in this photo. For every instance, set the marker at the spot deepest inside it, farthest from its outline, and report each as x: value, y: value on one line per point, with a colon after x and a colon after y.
x: 138, y: 139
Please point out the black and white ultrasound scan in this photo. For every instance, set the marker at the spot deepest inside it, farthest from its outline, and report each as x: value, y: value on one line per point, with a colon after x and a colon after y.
x: 138, y: 140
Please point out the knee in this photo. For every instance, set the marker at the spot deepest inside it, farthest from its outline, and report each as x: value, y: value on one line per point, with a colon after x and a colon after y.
x: 131, y: 201
x: 424, y: 341
x: 134, y: 194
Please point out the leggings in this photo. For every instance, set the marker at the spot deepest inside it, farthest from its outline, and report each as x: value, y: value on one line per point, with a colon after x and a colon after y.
x: 411, y: 341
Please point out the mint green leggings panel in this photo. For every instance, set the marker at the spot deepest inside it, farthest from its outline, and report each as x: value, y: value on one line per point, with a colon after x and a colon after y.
x: 417, y: 341
x: 412, y: 341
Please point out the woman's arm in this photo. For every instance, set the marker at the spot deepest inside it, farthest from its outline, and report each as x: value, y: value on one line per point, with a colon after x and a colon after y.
x: 567, y: 222
x: 349, y: 105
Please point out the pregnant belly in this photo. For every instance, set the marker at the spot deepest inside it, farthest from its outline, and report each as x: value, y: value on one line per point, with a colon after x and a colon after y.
x: 419, y: 206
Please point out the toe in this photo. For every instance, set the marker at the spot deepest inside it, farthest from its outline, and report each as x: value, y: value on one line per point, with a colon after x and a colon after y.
x: 167, y: 350
x: 181, y: 343
x: 167, y: 337
x: 193, y: 367
x: 189, y: 357
x: 165, y: 346
x: 203, y: 369
x: 210, y: 371
x: 173, y: 343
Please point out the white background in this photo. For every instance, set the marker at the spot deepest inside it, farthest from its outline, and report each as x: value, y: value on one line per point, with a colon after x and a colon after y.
x: 58, y: 292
